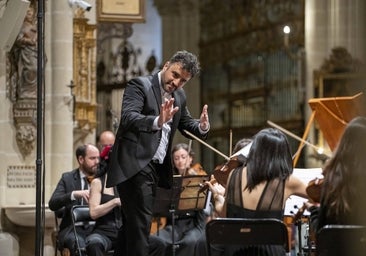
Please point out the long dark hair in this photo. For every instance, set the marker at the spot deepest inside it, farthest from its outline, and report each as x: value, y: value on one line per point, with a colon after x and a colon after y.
x: 269, y: 158
x: 344, y: 184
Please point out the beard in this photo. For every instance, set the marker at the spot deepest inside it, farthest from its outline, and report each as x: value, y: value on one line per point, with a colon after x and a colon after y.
x: 90, y: 170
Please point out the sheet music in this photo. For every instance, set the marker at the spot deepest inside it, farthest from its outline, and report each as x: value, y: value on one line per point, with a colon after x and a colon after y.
x: 293, y: 203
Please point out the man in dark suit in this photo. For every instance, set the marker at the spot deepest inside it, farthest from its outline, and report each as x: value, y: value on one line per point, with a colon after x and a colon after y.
x: 153, y: 108
x: 72, y: 189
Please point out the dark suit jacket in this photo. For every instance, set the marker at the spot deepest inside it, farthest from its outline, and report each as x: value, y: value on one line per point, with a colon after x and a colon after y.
x: 136, y: 141
x: 61, y: 197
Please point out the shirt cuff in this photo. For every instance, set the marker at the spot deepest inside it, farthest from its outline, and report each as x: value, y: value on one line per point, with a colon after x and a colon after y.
x: 155, y: 126
x: 72, y: 196
x: 203, y: 131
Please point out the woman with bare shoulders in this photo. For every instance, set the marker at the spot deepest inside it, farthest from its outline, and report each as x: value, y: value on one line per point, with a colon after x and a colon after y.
x: 260, y: 188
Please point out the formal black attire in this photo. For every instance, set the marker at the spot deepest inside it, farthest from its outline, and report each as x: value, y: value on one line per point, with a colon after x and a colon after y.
x: 270, y: 205
x: 62, y: 203
x: 188, y: 228
x: 104, y: 234
x: 132, y: 167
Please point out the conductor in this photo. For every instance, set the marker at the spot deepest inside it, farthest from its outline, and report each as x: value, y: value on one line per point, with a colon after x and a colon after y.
x: 153, y: 108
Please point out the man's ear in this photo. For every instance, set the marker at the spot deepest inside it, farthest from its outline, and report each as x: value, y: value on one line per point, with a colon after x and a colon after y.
x: 80, y: 159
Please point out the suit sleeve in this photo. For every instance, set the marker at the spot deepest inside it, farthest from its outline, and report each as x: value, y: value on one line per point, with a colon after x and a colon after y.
x: 61, y: 197
x: 136, y: 114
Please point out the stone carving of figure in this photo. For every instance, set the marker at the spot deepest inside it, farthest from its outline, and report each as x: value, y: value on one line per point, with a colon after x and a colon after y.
x: 26, y: 57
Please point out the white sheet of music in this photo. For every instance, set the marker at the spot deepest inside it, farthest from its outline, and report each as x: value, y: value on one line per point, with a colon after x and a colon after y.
x: 294, y: 203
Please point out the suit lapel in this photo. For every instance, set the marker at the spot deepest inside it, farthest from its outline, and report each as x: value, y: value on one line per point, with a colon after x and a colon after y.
x: 157, y: 90
x: 77, y: 179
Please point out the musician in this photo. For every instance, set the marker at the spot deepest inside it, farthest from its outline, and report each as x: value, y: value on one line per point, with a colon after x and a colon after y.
x: 200, y: 248
x: 188, y: 226
x: 72, y: 189
x: 104, y: 204
x: 183, y: 165
x: 344, y: 184
x: 153, y: 108
x: 260, y: 189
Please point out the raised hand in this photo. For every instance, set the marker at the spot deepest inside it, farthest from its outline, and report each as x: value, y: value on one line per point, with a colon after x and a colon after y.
x: 167, y: 111
x: 204, y: 122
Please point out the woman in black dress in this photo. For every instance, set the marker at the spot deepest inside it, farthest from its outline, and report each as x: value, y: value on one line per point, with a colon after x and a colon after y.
x: 260, y: 188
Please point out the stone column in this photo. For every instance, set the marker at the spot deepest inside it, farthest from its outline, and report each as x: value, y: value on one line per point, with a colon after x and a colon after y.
x: 329, y: 24
x: 59, y: 73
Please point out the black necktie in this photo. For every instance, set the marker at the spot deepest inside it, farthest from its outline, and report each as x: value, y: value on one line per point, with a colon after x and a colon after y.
x: 85, y: 183
x: 85, y: 187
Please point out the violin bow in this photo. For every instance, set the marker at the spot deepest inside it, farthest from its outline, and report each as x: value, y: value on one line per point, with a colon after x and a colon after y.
x: 207, y: 145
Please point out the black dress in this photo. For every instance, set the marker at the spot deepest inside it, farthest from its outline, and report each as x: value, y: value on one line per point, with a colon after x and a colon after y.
x: 270, y: 205
x: 188, y: 228
x: 106, y: 226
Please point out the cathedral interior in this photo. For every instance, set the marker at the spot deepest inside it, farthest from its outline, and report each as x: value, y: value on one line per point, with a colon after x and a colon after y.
x: 265, y: 63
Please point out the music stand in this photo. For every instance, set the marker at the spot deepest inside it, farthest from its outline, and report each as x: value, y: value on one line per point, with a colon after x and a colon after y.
x: 184, y: 196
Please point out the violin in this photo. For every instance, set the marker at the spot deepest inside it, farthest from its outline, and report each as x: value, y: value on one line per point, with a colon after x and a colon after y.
x: 197, y: 169
x: 222, y: 172
x: 314, y: 189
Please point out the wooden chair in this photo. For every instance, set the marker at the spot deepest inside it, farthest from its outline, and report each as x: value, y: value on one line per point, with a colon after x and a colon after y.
x: 337, y: 240
x: 241, y: 231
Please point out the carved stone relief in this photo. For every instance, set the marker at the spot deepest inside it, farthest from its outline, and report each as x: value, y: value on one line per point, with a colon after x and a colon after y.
x: 22, y: 82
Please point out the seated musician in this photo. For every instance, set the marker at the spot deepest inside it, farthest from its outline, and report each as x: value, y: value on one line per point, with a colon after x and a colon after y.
x: 343, y: 187
x: 72, y: 189
x: 200, y: 249
x: 104, y: 204
x: 188, y: 227
x: 260, y: 188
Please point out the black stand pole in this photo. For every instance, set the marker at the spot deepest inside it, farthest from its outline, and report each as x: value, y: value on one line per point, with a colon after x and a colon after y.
x: 298, y: 224
x: 172, y: 211
x: 40, y: 81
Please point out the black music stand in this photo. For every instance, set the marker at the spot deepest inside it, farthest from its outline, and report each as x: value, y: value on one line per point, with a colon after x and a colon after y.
x: 184, y: 196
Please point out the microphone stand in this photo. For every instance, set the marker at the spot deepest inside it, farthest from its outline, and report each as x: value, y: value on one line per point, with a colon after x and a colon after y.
x: 39, y: 239
x: 172, y: 211
x: 298, y: 223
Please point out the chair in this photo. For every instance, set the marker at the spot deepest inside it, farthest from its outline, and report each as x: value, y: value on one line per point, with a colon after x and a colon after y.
x: 341, y: 240
x: 80, y: 216
x: 241, y: 231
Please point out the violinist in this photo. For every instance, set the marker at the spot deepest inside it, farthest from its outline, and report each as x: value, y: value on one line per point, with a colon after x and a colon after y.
x: 183, y: 161
x: 344, y: 185
x: 188, y: 227
x: 260, y: 188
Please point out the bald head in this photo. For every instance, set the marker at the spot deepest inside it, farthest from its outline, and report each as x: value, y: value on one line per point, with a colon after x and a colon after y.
x: 106, y: 138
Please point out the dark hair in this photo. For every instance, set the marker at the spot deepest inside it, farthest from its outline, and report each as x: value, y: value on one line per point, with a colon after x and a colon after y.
x: 345, y: 174
x: 182, y: 146
x: 178, y: 147
x: 241, y: 144
x: 81, y: 151
x: 269, y: 158
x: 188, y: 60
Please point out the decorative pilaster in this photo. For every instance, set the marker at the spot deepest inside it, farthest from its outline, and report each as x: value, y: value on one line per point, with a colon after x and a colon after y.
x: 84, y: 76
